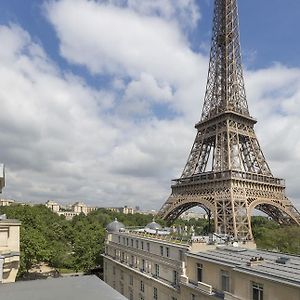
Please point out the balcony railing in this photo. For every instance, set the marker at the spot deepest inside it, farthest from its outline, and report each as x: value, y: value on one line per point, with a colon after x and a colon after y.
x: 230, y: 174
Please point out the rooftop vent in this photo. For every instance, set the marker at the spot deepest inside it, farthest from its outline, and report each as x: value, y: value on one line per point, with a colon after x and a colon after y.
x: 254, y: 261
x: 282, y: 260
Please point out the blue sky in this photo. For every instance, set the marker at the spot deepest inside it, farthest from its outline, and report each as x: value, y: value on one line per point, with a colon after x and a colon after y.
x: 100, y: 100
x: 269, y: 30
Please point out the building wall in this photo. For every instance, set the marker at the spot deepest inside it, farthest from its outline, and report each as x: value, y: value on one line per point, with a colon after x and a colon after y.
x: 6, y: 202
x: 271, y: 290
x: 9, y: 237
x: 123, y: 270
x: 141, y: 258
x: 9, y: 250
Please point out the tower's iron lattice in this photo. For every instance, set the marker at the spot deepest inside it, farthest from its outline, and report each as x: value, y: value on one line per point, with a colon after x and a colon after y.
x: 226, y: 172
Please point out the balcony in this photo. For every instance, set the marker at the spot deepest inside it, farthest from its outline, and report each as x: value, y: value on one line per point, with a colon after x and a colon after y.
x: 201, y: 286
x: 228, y: 296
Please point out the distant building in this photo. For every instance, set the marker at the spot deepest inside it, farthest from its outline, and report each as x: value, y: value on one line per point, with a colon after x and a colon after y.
x: 154, y: 263
x: 124, y: 210
x: 80, y: 207
x: 9, y: 249
x: 188, y: 215
x: 7, y: 202
x: 53, y: 206
x: 70, y: 211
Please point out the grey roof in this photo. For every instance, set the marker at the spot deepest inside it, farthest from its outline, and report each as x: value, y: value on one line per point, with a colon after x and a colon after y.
x: 10, y: 221
x: 115, y: 226
x: 238, y: 258
x: 153, y: 225
x: 75, y: 288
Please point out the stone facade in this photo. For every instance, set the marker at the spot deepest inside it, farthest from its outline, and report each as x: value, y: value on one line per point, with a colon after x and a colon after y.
x: 124, y: 209
x: 154, y: 266
x: 9, y: 249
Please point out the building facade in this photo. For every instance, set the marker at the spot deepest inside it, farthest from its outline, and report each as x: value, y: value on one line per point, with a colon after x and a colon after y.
x: 124, y: 209
x: 153, y: 264
x: 9, y: 249
x: 71, y: 211
x: 7, y: 202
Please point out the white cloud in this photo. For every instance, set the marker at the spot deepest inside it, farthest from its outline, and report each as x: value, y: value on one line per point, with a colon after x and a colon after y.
x: 65, y: 140
x: 123, y: 43
x: 60, y: 139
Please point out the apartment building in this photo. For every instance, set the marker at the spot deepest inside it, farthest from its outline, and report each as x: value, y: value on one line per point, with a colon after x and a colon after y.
x: 152, y: 263
x: 9, y: 249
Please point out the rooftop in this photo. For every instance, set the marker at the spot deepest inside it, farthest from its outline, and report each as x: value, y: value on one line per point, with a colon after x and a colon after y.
x: 75, y: 288
x: 271, y: 265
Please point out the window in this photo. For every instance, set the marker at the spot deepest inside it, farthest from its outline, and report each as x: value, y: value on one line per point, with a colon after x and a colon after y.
x: 142, y: 286
x: 157, y: 270
x: 130, y: 294
x: 115, y: 253
x: 199, y: 272
x: 143, y: 265
x: 167, y: 251
x: 155, y: 293
x: 175, y: 277
x: 142, y: 245
x: 193, y: 297
x: 161, y: 250
x: 225, y: 281
x: 137, y: 244
x: 119, y: 239
x: 127, y: 241
x: 123, y: 256
x: 132, y: 260
x: 131, y: 242
x: 123, y: 240
x: 148, y: 247
x: 257, y: 291
x: 180, y: 255
x: 130, y: 280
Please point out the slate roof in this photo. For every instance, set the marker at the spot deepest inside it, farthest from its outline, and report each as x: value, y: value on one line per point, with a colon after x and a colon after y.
x: 270, y: 268
x: 75, y: 288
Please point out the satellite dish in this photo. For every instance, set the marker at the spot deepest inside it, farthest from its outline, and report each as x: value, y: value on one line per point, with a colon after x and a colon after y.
x: 235, y: 244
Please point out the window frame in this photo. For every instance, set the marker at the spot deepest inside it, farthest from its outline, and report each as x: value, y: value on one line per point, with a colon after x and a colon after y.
x: 259, y: 287
x: 199, y: 267
x: 142, y: 286
x: 225, y: 274
x: 155, y: 293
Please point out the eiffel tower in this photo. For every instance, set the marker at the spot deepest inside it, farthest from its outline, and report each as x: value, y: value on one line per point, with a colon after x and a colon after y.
x: 226, y: 172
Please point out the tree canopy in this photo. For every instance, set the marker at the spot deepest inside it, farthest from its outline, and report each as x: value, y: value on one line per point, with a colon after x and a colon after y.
x: 78, y: 244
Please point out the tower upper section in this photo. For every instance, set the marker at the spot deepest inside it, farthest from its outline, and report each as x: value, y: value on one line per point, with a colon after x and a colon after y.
x: 225, y: 90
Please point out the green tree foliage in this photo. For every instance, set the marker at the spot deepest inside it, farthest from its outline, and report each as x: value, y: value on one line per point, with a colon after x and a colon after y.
x: 269, y: 235
x: 78, y: 244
